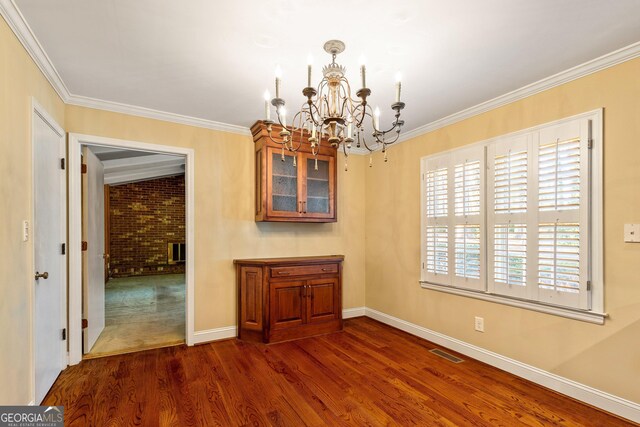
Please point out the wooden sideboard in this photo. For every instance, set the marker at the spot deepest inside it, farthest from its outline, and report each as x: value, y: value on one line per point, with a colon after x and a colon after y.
x: 281, y: 299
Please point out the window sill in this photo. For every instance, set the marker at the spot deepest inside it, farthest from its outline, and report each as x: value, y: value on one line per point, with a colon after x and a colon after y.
x: 582, y: 315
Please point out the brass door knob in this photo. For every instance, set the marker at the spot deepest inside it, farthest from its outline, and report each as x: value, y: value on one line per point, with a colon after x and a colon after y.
x: 44, y: 275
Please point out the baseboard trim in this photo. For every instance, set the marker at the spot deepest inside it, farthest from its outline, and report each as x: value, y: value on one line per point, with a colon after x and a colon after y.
x: 608, y: 402
x: 216, y: 334
x: 348, y: 313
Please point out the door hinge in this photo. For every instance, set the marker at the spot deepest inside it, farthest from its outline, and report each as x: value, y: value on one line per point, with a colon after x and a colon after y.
x: 64, y: 249
x: 62, y: 164
x: 83, y: 168
x: 85, y: 245
x: 85, y: 323
x: 590, y: 145
x: 588, y: 285
x: 64, y: 334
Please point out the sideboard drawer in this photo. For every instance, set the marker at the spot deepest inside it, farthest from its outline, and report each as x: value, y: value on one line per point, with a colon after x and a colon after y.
x: 304, y: 270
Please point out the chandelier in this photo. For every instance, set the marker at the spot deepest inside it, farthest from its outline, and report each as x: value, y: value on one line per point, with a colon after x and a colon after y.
x: 331, y: 114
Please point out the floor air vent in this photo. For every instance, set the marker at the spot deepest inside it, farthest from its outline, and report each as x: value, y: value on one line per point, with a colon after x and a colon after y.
x: 444, y: 354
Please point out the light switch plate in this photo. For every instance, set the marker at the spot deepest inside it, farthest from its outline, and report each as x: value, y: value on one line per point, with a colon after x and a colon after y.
x: 25, y: 231
x: 632, y: 233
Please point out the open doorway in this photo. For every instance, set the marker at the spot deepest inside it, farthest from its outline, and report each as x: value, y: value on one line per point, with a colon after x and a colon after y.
x: 129, y: 163
x: 134, y: 262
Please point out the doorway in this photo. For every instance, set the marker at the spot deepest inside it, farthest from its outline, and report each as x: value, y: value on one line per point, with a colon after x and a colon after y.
x: 134, y: 263
x: 109, y: 148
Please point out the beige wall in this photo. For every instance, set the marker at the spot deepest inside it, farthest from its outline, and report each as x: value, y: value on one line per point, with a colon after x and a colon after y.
x: 605, y: 357
x: 224, y: 210
x: 20, y: 79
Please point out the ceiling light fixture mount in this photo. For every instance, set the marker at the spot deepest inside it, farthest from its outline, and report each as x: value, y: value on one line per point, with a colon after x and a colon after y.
x: 331, y: 113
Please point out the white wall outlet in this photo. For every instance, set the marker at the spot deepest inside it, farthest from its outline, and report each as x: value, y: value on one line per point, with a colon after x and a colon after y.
x: 479, y: 324
x: 632, y: 233
x: 25, y: 231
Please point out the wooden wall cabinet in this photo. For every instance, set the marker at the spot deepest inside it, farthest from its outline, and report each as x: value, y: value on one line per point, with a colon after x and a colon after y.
x: 304, y: 191
x: 282, y: 299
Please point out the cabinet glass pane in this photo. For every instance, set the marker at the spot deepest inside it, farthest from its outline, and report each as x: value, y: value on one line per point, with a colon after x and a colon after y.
x: 284, y: 186
x: 317, y: 186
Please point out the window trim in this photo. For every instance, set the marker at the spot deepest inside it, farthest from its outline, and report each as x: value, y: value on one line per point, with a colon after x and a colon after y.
x: 596, y: 260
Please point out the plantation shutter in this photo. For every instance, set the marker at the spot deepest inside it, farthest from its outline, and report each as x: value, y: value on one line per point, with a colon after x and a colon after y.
x: 466, y: 229
x: 562, y: 269
x: 510, y: 217
x: 436, y: 264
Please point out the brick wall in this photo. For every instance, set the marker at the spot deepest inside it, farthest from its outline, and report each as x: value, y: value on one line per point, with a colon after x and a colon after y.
x: 144, y: 217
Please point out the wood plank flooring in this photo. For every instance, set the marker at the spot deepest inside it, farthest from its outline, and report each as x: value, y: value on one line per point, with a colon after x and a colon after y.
x: 369, y: 374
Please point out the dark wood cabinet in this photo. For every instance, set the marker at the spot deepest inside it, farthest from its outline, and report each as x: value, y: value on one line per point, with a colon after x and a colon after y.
x: 293, y: 187
x: 281, y: 299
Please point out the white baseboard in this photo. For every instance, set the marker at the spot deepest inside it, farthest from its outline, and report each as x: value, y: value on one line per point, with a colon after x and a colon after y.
x: 215, y: 334
x: 348, y: 313
x: 608, y: 402
x: 226, y: 332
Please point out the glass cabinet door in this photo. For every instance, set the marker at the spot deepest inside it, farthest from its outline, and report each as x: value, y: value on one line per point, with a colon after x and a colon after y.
x: 283, y: 184
x: 319, y: 178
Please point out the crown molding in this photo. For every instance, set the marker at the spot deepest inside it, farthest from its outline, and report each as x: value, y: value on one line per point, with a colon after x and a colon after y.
x: 605, y: 61
x: 18, y: 24
x: 21, y: 29
x: 117, y: 107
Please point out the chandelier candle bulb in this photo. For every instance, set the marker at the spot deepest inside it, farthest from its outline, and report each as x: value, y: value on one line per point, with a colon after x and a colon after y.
x: 398, y: 86
x: 309, y: 64
x: 376, y: 119
x: 363, y: 71
x: 267, y: 110
x: 278, y: 77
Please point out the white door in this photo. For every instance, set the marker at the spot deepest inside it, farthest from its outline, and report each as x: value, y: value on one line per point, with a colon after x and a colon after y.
x: 93, y: 218
x: 49, y: 234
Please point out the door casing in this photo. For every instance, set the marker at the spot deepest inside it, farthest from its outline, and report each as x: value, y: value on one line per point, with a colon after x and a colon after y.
x: 76, y: 141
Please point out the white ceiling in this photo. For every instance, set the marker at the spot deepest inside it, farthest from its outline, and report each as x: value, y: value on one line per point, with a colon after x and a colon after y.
x: 123, y: 166
x: 213, y: 60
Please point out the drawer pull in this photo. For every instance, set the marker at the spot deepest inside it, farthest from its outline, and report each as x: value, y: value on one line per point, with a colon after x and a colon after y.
x: 284, y: 273
x: 325, y: 269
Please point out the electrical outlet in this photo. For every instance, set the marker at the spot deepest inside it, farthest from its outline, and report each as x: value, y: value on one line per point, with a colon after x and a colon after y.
x: 479, y: 324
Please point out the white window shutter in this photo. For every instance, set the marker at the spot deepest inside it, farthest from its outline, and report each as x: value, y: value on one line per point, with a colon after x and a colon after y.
x: 561, y: 265
x: 436, y: 262
x: 466, y: 227
x: 510, y: 205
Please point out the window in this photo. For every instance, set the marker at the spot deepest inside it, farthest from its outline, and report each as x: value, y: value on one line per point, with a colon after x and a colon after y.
x: 518, y: 218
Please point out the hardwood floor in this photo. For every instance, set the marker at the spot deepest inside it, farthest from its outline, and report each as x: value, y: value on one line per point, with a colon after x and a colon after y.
x: 142, y: 312
x: 369, y: 374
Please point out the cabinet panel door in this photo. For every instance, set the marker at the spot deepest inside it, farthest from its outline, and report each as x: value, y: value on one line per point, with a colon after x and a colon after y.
x: 323, y: 300
x: 251, y: 311
x: 318, y: 186
x: 287, y: 304
x: 283, y: 184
